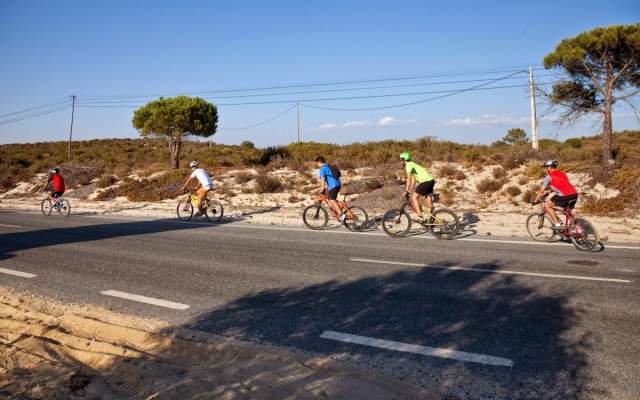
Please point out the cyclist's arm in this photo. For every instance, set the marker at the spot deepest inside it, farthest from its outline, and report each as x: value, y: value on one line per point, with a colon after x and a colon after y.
x: 543, y: 189
x: 410, y: 181
x: 323, y: 181
x: 47, y: 183
x: 184, y: 187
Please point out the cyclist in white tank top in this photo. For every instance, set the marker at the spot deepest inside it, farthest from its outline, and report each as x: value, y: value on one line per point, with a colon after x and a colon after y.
x: 205, y: 183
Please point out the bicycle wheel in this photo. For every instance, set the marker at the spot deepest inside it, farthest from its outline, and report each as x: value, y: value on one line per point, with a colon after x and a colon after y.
x: 356, y: 219
x: 540, y: 228
x: 45, y: 206
x: 396, y: 223
x: 443, y: 224
x: 583, y: 235
x: 65, y: 208
x: 184, y: 210
x: 213, y: 210
x: 315, y: 217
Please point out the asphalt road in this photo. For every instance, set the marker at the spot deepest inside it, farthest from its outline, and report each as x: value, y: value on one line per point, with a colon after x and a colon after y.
x: 479, y: 317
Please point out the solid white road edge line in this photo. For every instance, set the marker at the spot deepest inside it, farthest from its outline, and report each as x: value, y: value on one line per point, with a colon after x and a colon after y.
x: 418, y: 349
x: 11, y: 226
x: 17, y: 273
x: 145, y: 299
x: 493, y: 271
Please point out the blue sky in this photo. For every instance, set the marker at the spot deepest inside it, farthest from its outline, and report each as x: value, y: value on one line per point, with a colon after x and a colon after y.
x: 125, y: 48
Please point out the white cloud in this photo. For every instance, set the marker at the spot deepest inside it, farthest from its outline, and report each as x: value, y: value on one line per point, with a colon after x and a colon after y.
x: 384, y: 121
x: 326, y: 127
x: 486, y: 120
x: 350, y: 124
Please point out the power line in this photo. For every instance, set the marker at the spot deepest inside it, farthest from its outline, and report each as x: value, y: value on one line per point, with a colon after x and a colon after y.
x: 101, y: 102
x: 451, y: 93
x: 34, y: 115
x: 45, y: 105
x: 331, y: 83
x: 260, y: 123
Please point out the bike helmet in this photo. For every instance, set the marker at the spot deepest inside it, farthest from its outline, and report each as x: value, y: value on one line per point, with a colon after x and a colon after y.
x: 551, y: 163
x: 193, y: 164
x: 405, y: 155
x: 55, y: 170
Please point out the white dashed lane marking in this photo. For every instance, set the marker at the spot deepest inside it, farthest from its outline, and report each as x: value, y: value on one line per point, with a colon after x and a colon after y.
x: 146, y: 300
x: 493, y: 271
x: 17, y: 273
x: 418, y: 349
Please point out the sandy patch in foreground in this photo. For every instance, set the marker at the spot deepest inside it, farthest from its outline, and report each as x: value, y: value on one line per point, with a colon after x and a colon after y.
x: 53, y: 351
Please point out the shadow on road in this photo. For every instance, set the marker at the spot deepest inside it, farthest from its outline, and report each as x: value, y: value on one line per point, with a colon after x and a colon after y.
x: 472, y: 312
x: 17, y: 241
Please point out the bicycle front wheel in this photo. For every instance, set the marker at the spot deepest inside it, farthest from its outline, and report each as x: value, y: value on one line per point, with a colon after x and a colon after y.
x: 583, y: 235
x: 444, y: 224
x: 540, y: 228
x: 184, y: 210
x: 356, y: 219
x: 64, y: 208
x: 45, y: 206
x: 315, y: 217
x: 213, y: 210
x: 396, y: 223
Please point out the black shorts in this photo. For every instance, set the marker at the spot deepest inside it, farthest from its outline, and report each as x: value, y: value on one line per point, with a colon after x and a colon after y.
x: 425, y: 188
x: 56, y: 194
x: 333, y: 193
x: 563, y: 201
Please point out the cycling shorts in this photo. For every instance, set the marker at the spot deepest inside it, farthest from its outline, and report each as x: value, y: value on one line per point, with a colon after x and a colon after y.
x: 425, y: 188
x: 563, y: 201
x: 333, y: 193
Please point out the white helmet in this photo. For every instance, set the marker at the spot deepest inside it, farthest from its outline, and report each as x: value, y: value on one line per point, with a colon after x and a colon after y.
x: 194, y: 164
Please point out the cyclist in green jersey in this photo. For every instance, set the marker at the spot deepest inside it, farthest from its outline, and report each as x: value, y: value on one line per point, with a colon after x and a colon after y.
x: 419, y: 176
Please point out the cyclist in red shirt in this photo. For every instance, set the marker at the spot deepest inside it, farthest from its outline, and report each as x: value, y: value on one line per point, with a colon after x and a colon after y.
x: 57, y: 184
x: 562, y: 191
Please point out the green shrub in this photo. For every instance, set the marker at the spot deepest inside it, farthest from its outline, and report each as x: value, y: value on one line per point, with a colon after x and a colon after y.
x: 498, y: 173
x: 528, y: 196
x: 243, y: 177
x: 108, y: 194
x: 513, y: 191
x: 460, y: 175
x: 447, y: 170
x: 523, y: 180
x: 489, y: 185
x: 106, y: 180
x: 267, y: 184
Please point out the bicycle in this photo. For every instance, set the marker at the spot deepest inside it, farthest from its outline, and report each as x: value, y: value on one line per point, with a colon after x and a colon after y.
x: 212, y: 210
x: 316, y: 216
x: 578, y: 230
x: 442, y: 223
x: 61, y: 205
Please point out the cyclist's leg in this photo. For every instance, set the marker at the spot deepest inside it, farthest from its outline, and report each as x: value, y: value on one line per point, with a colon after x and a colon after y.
x: 548, y: 207
x: 201, y: 193
x: 333, y: 196
x: 415, y: 203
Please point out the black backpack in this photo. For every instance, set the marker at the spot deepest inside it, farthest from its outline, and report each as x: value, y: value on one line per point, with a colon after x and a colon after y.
x: 335, y: 171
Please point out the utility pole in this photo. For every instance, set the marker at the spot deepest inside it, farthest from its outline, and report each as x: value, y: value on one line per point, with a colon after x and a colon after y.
x: 298, y: 115
x: 73, y: 108
x: 534, y: 118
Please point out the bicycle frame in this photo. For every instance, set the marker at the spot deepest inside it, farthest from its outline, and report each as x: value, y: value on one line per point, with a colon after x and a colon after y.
x: 567, y: 212
x: 324, y: 199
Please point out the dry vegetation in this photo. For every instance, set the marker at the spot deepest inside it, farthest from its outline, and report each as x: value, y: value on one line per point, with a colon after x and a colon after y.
x: 370, y: 169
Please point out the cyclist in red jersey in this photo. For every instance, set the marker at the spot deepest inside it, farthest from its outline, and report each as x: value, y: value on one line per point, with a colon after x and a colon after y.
x: 562, y: 191
x: 57, y: 184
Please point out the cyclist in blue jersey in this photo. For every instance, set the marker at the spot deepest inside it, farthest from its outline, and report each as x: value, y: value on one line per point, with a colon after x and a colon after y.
x: 330, y: 183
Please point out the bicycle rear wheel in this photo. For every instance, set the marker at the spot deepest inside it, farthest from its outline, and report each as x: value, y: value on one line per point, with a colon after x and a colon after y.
x: 540, y: 228
x: 65, y: 208
x: 396, y: 223
x: 444, y: 224
x: 213, y: 210
x: 315, y: 217
x: 583, y: 235
x: 184, y: 210
x: 356, y: 219
x: 45, y: 206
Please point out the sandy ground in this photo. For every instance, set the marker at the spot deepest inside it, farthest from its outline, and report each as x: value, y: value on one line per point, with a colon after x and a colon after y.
x: 482, y: 214
x: 50, y: 350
